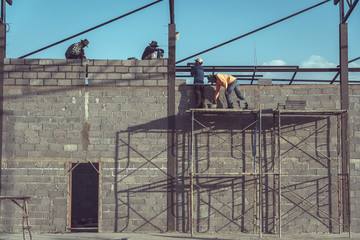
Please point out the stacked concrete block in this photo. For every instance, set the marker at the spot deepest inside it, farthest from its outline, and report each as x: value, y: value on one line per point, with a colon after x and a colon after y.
x: 43, y: 72
x: 47, y: 183
x: 74, y: 72
x: 127, y: 72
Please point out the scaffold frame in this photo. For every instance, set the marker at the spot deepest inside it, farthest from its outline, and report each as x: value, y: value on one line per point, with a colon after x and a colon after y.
x: 343, y: 187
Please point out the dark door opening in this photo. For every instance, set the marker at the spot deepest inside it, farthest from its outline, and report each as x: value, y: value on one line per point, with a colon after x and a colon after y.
x: 84, y: 197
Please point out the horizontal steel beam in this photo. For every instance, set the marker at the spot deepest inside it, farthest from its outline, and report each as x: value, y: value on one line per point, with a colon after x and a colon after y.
x: 235, y: 70
x: 262, y: 69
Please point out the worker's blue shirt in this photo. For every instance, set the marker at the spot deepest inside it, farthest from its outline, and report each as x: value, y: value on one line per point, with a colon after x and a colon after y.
x: 198, y: 73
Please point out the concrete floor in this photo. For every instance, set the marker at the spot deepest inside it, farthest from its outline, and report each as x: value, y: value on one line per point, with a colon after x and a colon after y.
x: 173, y: 236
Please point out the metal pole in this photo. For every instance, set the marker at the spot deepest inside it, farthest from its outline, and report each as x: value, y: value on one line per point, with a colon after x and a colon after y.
x: 344, y: 95
x: 172, y: 13
x: 279, y: 184
x: 171, y: 125
x: 338, y: 152
x: 260, y: 178
x: 255, y: 141
x: 191, y: 176
x: 3, y: 11
x: 275, y: 177
x: 2, y: 57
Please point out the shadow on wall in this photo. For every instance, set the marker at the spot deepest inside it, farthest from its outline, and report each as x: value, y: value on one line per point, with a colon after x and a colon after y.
x: 8, y: 134
x: 187, y: 98
x: 7, y: 177
x: 225, y: 148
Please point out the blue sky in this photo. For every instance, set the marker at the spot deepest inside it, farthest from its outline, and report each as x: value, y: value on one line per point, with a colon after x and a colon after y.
x: 310, y: 39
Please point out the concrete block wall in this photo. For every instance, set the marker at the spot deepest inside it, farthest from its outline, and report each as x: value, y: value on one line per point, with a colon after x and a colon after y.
x: 47, y: 182
x: 52, y: 118
x: 117, y: 120
x: 72, y: 72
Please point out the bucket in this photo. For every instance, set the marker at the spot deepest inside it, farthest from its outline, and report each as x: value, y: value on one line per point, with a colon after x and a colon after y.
x: 211, y: 105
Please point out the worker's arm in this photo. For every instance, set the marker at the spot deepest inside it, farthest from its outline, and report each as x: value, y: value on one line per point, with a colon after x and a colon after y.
x: 217, y: 92
x: 192, y: 71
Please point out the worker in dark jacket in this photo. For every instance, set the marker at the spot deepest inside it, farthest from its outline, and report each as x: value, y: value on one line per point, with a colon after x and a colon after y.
x: 76, y: 50
x: 149, y: 52
x: 197, y: 71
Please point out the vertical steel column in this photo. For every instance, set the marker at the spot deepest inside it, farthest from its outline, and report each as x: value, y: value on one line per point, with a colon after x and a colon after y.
x: 344, y: 95
x: 171, y: 166
x: 3, y: 11
x: 2, y: 57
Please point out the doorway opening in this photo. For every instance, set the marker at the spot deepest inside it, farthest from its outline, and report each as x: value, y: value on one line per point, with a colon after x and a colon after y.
x: 84, y: 192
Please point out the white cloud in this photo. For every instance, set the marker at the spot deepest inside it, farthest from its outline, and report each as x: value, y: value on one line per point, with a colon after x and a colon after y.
x: 276, y: 62
x: 316, y: 61
x: 354, y: 65
x: 354, y: 75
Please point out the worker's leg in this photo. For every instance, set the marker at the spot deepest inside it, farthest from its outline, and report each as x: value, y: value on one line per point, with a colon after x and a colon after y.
x: 197, y: 95
x: 228, y: 94
x: 238, y: 92
x: 71, y: 56
x: 240, y: 96
x: 150, y: 56
x: 202, y: 91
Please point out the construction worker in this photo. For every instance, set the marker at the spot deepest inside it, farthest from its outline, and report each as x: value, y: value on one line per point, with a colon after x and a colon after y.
x: 229, y: 83
x: 76, y: 50
x: 197, y: 71
x: 149, y: 52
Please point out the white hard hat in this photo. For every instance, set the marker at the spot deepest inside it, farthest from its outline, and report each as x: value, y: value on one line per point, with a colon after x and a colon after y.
x: 199, y: 60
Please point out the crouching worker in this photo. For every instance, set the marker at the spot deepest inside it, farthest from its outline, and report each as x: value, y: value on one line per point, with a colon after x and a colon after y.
x: 149, y: 52
x: 230, y: 84
x: 76, y: 50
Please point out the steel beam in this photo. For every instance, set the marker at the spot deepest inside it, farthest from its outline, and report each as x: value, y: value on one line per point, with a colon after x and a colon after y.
x: 263, y: 69
x: 2, y: 57
x: 171, y: 135
x: 344, y: 96
x: 351, y: 5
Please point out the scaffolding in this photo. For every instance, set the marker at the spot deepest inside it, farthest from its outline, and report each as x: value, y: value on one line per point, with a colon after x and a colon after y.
x: 259, y: 173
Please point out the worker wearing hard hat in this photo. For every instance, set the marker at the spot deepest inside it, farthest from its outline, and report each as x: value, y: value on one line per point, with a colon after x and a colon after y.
x: 197, y: 72
x: 230, y: 84
x: 76, y: 50
x: 149, y: 52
